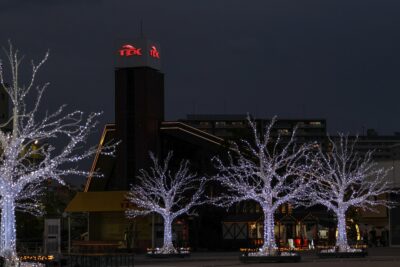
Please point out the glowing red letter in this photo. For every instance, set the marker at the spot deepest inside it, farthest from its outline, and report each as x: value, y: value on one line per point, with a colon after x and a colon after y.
x: 129, y: 50
x: 154, y: 52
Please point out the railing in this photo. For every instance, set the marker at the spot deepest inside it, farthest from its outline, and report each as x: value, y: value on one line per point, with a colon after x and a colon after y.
x: 30, y: 247
x: 93, y: 246
x: 101, y: 260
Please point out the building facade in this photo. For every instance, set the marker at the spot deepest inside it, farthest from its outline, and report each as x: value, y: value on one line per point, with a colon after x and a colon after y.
x: 140, y: 126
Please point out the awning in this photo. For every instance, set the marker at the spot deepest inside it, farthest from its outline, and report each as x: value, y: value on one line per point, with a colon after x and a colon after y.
x: 103, y: 201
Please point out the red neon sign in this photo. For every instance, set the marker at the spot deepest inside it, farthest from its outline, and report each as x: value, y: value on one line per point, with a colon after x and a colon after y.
x: 154, y: 52
x: 130, y: 50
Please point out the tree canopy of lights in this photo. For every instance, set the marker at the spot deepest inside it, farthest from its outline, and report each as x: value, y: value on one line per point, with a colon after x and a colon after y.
x: 167, y: 193
x: 270, y: 170
x: 346, y: 179
x: 28, y: 152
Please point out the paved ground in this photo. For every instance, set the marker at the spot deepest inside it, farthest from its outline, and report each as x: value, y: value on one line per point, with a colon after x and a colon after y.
x: 378, y: 257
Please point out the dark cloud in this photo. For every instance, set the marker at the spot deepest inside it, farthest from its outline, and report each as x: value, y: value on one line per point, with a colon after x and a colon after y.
x: 332, y: 59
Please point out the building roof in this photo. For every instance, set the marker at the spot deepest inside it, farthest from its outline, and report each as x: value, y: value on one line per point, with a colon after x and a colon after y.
x: 102, y: 163
x: 106, y: 165
x: 189, y: 133
x: 104, y: 201
x: 241, y: 117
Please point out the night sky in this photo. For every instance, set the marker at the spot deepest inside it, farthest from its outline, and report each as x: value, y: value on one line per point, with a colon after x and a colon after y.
x: 338, y: 60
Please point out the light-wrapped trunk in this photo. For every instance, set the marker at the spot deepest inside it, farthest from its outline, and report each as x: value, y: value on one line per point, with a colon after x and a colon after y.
x: 8, y: 228
x: 168, y: 246
x: 269, y: 246
x: 341, y: 241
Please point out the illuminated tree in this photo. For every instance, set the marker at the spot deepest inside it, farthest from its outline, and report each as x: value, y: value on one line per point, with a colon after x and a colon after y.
x: 35, y: 150
x: 169, y: 194
x: 270, y: 172
x: 344, y: 180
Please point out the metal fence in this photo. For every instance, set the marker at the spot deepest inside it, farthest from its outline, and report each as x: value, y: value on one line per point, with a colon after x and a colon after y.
x: 100, y: 260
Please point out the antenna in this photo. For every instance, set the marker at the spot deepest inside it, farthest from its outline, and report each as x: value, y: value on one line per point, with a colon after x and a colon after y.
x: 141, y: 29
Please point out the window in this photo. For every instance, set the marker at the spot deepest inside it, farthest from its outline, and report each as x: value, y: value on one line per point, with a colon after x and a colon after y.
x: 204, y: 123
x: 283, y: 132
x: 237, y: 123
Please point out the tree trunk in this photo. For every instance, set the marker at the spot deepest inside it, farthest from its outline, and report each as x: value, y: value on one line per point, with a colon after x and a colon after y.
x: 168, y: 246
x: 341, y: 241
x: 8, y: 230
x: 269, y: 246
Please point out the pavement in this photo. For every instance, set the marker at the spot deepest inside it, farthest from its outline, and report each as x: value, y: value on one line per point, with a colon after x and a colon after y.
x: 377, y: 257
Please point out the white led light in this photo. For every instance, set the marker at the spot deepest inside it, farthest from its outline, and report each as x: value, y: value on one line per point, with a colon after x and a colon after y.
x: 269, y: 172
x: 166, y: 193
x: 345, y: 179
x: 24, y: 167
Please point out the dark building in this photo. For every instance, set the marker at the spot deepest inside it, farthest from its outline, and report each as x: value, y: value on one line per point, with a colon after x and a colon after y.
x: 139, y: 112
x: 139, y: 102
x: 139, y: 107
x: 381, y: 145
x: 235, y: 127
x: 140, y: 126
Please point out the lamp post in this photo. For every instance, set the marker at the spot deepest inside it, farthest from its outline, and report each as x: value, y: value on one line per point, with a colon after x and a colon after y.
x: 68, y: 216
x: 152, y: 229
x: 69, y: 233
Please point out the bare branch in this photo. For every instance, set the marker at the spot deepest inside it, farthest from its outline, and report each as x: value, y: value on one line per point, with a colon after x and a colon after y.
x: 269, y: 172
x: 345, y: 179
x: 170, y: 194
x: 27, y: 156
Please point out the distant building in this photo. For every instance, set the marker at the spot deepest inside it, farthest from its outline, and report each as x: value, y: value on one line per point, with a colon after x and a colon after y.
x: 381, y: 145
x: 235, y: 127
x: 388, y: 219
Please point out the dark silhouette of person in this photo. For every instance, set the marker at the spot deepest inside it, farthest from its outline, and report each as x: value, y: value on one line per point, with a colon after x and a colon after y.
x: 372, y: 235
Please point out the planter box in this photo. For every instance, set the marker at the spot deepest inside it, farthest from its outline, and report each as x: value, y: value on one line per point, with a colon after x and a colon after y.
x: 165, y: 256
x: 359, y: 254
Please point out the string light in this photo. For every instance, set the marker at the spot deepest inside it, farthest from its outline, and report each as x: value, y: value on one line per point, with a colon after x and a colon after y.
x: 165, y: 193
x: 346, y: 179
x: 28, y: 157
x: 268, y: 172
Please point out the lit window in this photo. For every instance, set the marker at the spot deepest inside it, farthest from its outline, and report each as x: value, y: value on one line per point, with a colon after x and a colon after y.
x: 283, y: 132
x: 220, y: 123
x: 204, y: 123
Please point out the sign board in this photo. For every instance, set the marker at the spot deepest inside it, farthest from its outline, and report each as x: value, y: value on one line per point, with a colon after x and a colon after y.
x: 130, y: 53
